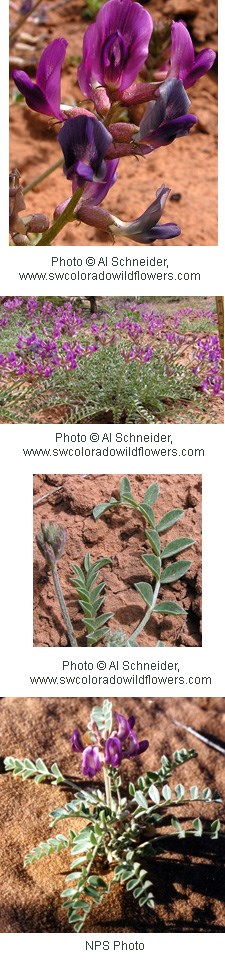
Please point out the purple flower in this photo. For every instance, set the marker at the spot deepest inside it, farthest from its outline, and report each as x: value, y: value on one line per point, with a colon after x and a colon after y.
x: 124, y: 725
x: 165, y: 118
x: 84, y: 142
x: 134, y: 747
x: 145, y: 229
x: 76, y: 741
x: 184, y: 64
x: 113, y: 752
x: 90, y: 761
x: 44, y: 94
x: 115, y: 47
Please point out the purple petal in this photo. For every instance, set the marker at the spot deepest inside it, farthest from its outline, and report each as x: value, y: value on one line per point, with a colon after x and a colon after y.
x: 90, y: 761
x: 171, y: 102
x: 123, y: 726
x: 113, y: 752
x: 33, y: 95
x: 143, y: 745
x: 176, y: 128
x: 115, y: 47
x: 143, y: 229
x: 183, y: 62
x: 43, y: 96
x: 84, y: 140
x: 203, y: 62
x: 76, y: 741
x: 49, y: 72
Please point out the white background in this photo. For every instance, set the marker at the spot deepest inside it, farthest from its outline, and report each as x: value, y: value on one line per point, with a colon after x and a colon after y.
x: 18, y: 658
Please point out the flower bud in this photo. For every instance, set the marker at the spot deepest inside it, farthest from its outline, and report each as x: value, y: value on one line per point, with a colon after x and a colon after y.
x: 51, y: 541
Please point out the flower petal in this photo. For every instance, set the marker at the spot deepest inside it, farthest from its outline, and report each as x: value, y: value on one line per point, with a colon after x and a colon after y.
x: 49, y: 72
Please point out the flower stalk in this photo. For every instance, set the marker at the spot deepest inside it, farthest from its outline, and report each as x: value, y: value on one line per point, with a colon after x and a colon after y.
x: 67, y: 215
x: 21, y: 21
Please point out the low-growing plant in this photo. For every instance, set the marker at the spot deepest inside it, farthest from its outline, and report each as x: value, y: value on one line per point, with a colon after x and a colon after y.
x: 122, y: 834
x: 170, y: 573
x: 51, y: 542
x: 131, y: 364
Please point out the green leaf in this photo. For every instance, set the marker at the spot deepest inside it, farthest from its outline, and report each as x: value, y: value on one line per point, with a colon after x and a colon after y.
x: 207, y: 795
x: 57, y: 773
x: 153, y: 563
x: 151, y: 494
x: 145, y: 590
x: 169, y: 520
x: 131, y: 789
x: 96, y: 880
x: 147, y: 512
x: 141, y: 800
x: 175, y: 570
x: 125, y: 486
x: 215, y: 828
x: 197, y: 826
x: 160, y: 644
x: 154, y: 794
x: 176, y: 546
x: 166, y: 792
x: 180, y: 792
x: 168, y: 607
x: 154, y: 540
x: 102, y: 507
x: 41, y: 767
x: 194, y: 792
x: 180, y: 831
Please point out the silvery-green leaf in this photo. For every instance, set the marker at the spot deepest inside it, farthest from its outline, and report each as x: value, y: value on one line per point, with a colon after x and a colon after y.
x: 154, y: 540
x: 168, y: 607
x: 176, y: 546
x: 151, y: 494
x: 153, y: 563
x: 145, y: 590
x: 174, y: 571
x: 169, y: 520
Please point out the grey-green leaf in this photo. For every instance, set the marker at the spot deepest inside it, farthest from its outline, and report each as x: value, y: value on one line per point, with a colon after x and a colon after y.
x: 145, y: 590
x: 176, y: 546
x: 169, y: 607
x: 169, y: 520
x: 102, y: 507
x: 175, y: 570
x: 151, y: 494
x: 154, y: 540
x: 154, y: 794
x: 125, y: 486
x: 153, y: 563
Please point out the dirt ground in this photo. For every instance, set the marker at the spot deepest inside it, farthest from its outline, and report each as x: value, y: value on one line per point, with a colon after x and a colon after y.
x: 188, y: 879
x: 188, y: 166
x: 119, y: 534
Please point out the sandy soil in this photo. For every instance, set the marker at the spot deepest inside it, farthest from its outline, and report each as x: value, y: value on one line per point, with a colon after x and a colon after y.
x: 120, y: 535
x: 188, y: 879
x: 188, y: 166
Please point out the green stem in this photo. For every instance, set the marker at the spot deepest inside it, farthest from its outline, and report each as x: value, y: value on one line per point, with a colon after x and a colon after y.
x: 108, y: 791
x: 63, y: 219
x: 147, y: 615
x: 22, y: 20
x: 63, y: 608
x: 41, y: 177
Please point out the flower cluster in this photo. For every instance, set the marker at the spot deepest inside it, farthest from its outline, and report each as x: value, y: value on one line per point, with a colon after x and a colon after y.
x: 108, y: 749
x: 60, y: 339
x: 115, y: 50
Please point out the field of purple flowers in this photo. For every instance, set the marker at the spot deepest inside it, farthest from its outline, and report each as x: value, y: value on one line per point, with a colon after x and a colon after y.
x: 133, y: 360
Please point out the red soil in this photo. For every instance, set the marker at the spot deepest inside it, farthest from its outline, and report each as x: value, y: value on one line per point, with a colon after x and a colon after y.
x: 119, y: 534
